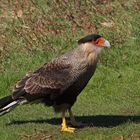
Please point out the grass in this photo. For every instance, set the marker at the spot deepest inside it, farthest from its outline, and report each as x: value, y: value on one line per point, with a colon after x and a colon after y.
x: 32, y: 32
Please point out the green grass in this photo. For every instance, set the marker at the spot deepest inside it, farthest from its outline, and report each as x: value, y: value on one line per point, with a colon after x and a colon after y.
x: 33, y: 32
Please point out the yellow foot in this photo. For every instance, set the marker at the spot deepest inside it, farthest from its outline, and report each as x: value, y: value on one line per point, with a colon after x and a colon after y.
x: 68, y: 129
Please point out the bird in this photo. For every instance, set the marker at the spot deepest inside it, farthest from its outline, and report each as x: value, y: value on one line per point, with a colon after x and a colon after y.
x: 59, y: 81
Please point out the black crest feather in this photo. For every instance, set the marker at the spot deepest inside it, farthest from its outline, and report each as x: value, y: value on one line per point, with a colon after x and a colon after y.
x: 89, y: 38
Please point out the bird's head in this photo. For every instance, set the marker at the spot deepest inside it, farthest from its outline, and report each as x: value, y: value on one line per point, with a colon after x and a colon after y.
x: 94, y: 41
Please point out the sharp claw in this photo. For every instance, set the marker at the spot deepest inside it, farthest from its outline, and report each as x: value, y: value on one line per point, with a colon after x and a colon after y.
x: 68, y: 129
x: 71, y: 128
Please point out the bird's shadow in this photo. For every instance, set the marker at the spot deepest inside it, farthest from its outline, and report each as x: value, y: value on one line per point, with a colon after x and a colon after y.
x: 90, y: 121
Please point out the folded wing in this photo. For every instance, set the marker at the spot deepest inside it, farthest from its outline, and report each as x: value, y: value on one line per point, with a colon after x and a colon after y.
x: 52, y: 75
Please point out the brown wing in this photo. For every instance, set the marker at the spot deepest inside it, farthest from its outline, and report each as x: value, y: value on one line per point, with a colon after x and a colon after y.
x: 53, y: 75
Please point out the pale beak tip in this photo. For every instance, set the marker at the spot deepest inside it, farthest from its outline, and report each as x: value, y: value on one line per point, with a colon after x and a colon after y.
x: 107, y: 44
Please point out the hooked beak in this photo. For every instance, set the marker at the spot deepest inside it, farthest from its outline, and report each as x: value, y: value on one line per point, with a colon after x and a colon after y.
x: 107, y: 44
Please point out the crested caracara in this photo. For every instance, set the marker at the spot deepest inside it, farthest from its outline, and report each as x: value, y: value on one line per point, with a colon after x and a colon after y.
x: 58, y: 82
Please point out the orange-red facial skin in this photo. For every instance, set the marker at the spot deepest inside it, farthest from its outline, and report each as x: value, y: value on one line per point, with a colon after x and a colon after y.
x: 99, y: 42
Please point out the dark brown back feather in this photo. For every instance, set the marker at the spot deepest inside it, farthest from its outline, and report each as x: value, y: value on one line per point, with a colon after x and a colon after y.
x: 52, y: 75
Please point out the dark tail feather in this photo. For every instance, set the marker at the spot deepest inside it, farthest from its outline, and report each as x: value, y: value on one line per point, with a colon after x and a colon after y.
x: 5, y: 101
x: 7, y: 104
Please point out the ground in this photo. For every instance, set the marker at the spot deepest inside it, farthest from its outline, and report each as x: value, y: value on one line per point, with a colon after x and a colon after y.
x: 32, y: 32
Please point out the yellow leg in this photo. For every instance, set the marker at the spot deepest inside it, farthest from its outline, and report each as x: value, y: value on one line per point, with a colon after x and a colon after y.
x: 73, y: 121
x: 64, y: 127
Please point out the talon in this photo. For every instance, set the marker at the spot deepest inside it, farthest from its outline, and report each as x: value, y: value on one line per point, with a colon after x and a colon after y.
x: 68, y: 129
x: 64, y: 127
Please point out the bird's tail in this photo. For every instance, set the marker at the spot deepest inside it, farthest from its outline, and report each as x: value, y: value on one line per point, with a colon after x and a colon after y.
x: 7, y: 104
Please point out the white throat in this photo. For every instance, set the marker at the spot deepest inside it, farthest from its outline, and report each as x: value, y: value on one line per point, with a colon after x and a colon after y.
x: 97, y: 49
x: 89, y: 47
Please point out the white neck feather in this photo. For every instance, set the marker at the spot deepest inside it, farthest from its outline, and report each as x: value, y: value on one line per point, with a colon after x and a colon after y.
x: 89, y: 47
x: 97, y: 49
